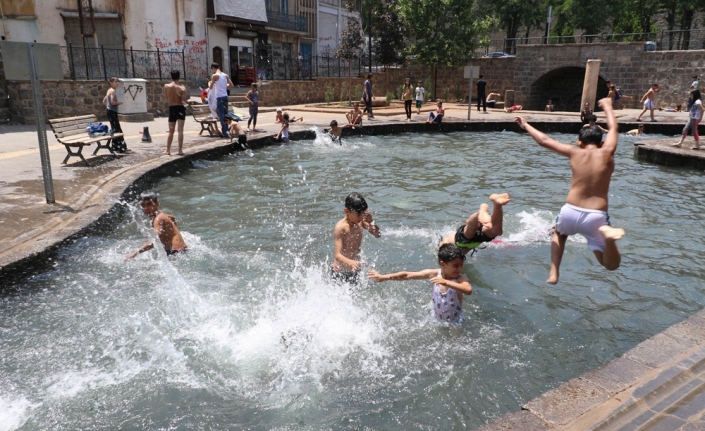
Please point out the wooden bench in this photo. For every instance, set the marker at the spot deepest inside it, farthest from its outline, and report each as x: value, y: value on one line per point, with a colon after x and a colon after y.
x: 71, y: 132
x: 201, y: 113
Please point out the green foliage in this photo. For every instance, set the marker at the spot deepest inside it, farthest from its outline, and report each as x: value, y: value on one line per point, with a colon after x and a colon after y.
x: 388, y: 32
x: 428, y: 87
x: 444, y: 32
x: 351, y: 39
x: 446, y: 94
x: 390, y: 97
x: 330, y: 94
x: 515, y: 14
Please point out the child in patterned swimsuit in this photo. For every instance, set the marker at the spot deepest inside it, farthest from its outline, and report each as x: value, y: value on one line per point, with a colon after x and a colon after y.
x: 448, y: 284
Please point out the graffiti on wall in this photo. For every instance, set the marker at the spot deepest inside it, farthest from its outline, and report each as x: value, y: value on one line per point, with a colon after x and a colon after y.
x: 194, y: 55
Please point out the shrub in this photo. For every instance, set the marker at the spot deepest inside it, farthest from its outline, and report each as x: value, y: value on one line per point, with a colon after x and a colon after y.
x: 330, y: 94
x: 390, y: 97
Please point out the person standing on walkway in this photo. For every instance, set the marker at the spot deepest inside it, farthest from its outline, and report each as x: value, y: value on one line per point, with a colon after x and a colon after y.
x: 220, y: 82
x: 694, y: 86
x: 176, y: 95
x: 407, y: 95
x: 420, y: 93
x: 481, y: 96
x: 253, y: 99
x: 111, y: 103
x: 648, y: 101
x: 367, y: 97
x: 694, y: 118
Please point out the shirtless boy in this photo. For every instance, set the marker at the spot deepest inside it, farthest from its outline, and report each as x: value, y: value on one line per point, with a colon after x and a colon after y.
x: 176, y: 95
x: 591, y: 120
x: 236, y: 130
x: 335, y: 131
x: 348, y: 238
x: 164, y: 224
x: 280, y: 117
x: 480, y: 226
x: 585, y: 212
x: 354, y: 116
x: 648, y: 101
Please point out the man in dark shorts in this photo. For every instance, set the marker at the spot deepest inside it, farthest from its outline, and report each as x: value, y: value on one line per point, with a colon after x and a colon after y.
x: 480, y: 226
x: 176, y: 95
x: 481, y: 96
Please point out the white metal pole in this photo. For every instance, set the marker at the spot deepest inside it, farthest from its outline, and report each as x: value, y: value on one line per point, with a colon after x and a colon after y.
x: 41, y: 124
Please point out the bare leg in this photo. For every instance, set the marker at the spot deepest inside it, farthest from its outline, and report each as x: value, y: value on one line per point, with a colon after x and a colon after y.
x: 652, y: 114
x: 610, y: 258
x: 170, y: 138
x: 181, y: 136
x: 473, y: 222
x: 638, y: 117
x: 494, y: 227
x: 557, y: 247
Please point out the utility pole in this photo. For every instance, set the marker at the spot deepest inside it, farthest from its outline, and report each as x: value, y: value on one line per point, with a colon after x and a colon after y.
x: 369, y: 32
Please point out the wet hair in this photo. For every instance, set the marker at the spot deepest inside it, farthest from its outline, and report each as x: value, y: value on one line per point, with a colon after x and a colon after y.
x: 640, y: 126
x: 450, y: 252
x: 149, y: 196
x: 215, y: 65
x: 113, y: 79
x: 285, y: 116
x: 590, y: 135
x: 591, y: 117
x: 696, y: 95
x: 175, y: 74
x: 654, y: 85
x: 254, y: 84
x: 334, y: 123
x: 355, y: 202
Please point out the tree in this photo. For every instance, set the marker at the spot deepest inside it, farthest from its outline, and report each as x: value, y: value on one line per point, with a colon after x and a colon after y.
x: 350, y: 42
x: 515, y: 14
x: 388, y: 30
x: 444, y: 32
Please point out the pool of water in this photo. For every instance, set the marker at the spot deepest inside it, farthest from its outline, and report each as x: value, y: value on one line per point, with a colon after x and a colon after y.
x: 246, y: 331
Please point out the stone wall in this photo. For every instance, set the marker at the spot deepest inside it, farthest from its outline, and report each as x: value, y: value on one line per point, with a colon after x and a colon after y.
x: 499, y: 74
x: 627, y: 65
x: 71, y: 98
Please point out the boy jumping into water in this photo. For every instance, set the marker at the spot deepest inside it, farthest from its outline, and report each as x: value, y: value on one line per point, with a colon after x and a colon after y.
x: 348, y: 238
x: 448, y: 284
x: 164, y: 224
x: 585, y: 212
x: 480, y: 226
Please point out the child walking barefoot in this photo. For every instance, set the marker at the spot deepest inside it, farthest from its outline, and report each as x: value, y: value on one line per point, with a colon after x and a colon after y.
x: 585, y: 212
x: 447, y: 283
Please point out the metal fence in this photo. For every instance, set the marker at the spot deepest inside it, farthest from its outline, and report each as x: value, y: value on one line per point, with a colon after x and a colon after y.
x: 675, y: 40
x: 310, y: 67
x: 81, y: 63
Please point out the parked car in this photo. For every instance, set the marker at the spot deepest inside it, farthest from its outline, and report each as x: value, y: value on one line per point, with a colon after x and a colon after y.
x: 497, y: 55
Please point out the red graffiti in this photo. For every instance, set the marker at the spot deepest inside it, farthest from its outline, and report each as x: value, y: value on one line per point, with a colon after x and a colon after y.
x: 161, y: 43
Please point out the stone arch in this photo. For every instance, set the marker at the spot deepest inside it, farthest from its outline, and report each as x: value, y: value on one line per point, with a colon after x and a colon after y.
x: 564, y: 86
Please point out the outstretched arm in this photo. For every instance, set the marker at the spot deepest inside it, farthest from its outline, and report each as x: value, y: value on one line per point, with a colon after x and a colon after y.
x: 147, y: 246
x: 613, y: 130
x: 426, y: 274
x: 543, y: 139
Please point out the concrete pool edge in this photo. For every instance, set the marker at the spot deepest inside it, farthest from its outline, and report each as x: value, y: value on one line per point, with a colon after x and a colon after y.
x: 545, y: 412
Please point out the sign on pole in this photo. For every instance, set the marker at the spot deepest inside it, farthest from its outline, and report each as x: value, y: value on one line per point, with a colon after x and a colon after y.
x: 471, y: 72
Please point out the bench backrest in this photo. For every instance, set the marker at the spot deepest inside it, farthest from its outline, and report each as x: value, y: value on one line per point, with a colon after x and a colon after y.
x: 65, y: 127
x: 199, y: 110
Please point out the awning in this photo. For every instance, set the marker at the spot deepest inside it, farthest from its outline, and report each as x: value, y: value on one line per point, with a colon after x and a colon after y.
x: 250, y: 11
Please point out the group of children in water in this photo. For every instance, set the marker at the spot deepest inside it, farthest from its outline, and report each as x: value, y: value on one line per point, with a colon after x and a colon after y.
x: 585, y: 213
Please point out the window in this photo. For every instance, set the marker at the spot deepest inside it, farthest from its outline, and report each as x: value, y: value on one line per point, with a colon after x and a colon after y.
x: 189, y: 28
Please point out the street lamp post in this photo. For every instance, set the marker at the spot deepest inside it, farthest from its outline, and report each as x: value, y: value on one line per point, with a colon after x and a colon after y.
x: 369, y: 33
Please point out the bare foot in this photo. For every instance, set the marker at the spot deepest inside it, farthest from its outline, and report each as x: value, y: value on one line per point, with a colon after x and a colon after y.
x: 611, y: 233
x: 180, y: 153
x: 676, y: 145
x: 552, y: 278
x: 500, y: 199
x: 166, y: 153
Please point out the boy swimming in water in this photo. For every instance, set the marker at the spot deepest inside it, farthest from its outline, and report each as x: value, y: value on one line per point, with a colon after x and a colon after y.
x: 348, y: 238
x: 448, y: 284
x: 164, y: 224
x: 480, y: 226
x: 236, y: 130
x: 335, y: 131
x: 585, y: 212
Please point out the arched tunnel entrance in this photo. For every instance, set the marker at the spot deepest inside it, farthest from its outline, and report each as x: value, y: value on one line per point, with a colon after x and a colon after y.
x: 564, y: 87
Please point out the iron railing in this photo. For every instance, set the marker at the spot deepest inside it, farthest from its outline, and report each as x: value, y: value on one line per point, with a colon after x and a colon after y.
x: 288, y: 67
x: 285, y: 21
x: 81, y: 63
x: 674, y: 40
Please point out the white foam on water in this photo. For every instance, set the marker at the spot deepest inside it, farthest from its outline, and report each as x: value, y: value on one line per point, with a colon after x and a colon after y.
x: 324, y: 141
x: 14, y: 412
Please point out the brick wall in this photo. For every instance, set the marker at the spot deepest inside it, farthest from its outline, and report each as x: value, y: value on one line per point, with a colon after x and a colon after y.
x: 627, y: 65
x: 71, y: 98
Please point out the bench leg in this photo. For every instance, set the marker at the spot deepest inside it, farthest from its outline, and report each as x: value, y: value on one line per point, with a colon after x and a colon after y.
x: 107, y: 146
x: 72, y: 154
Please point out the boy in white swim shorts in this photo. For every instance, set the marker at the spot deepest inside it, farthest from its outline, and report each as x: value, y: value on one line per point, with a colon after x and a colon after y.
x: 585, y: 212
x: 648, y: 102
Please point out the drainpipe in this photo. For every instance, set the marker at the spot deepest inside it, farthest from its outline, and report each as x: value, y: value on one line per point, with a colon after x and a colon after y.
x: 4, y: 25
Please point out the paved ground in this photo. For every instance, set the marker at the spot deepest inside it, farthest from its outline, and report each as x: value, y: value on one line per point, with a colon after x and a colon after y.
x: 635, y: 391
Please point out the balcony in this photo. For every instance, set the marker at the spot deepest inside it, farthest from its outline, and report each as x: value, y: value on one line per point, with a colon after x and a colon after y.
x: 284, y: 21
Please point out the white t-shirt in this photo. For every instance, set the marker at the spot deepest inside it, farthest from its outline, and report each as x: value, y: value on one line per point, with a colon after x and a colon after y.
x: 221, y: 85
x: 419, y: 93
x: 695, y: 85
x: 695, y: 111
